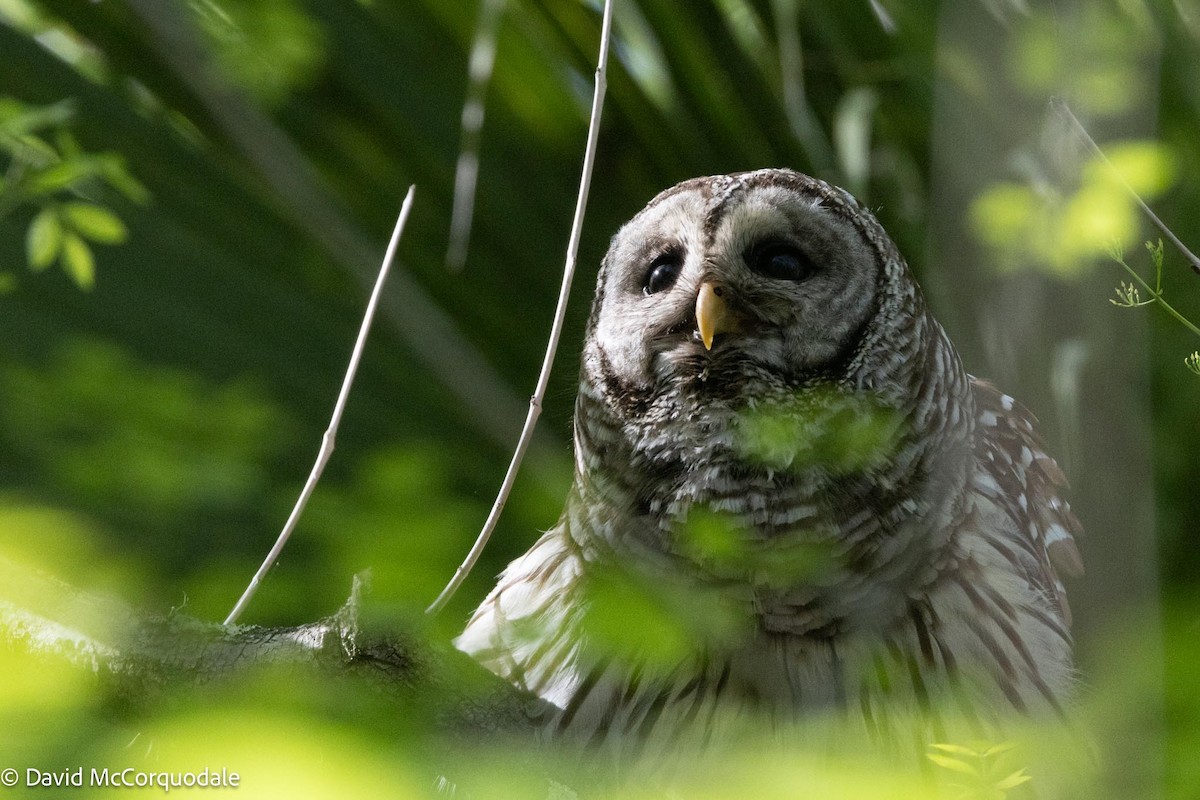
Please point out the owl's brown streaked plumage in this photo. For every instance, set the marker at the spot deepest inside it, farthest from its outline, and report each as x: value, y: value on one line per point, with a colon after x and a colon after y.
x: 889, y: 530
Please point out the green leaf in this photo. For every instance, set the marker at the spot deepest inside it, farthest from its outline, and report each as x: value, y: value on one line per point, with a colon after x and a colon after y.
x: 112, y: 167
x: 35, y: 150
x: 17, y: 119
x: 957, y: 749
x: 1147, y: 167
x: 60, y: 176
x: 953, y: 764
x: 1014, y: 780
x: 44, y: 238
x: 95, y: 222
x: 78, y: 261
x: 997, y: 749
x: 8, y: 282
x: 67, y: 144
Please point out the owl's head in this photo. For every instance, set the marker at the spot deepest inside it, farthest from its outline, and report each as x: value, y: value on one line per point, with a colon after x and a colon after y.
x: 771, y: 276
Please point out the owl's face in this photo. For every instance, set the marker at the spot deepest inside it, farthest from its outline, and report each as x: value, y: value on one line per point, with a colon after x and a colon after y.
x: 744, y: 274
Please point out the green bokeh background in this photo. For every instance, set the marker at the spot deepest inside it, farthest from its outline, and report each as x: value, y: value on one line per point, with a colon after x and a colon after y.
x: 156, y: 427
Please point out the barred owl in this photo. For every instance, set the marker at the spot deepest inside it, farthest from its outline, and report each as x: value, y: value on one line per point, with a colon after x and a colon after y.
x: 776, y: 440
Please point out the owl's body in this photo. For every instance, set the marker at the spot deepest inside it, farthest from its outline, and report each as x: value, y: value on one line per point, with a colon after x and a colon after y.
x: 772, y: 426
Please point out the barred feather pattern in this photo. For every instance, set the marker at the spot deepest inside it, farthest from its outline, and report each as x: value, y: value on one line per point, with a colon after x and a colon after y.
x: 943, y: 590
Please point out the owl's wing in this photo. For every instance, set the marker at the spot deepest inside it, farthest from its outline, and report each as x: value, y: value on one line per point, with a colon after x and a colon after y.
x: 1017, y: 475
x: 525, y: 630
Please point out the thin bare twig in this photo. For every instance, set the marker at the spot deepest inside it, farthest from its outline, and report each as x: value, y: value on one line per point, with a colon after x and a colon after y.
x: 466, y: 171
x: 327, y: 441
x: 560, y: 312
x: 1060, y: 105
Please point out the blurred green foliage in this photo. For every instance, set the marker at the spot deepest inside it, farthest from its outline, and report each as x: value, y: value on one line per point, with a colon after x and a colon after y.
x: 820, y: 429
x: 655, y: 624
x: 1029, y: 227
x: 43, y: 175
x: 718, y: 544
x: 983, y: 771
x: 155, y: 429
x: 271, y: 48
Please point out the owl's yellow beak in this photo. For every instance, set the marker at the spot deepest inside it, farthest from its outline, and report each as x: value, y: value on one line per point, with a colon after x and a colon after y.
x: 712, y: 313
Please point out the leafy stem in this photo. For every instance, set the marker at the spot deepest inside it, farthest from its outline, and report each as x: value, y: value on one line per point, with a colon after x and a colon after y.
x: 1129, y: 296
x: 44, y: 167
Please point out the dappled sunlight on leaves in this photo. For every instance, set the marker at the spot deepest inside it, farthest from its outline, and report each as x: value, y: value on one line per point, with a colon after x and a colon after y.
x: 1146, y: 167
x: 45, y: 707
x: 63, y: 544
x: 39, y: 685
x: 1032, y: 227
x: 826, y: 756
x: 768, y: 776
x: 285, y: 728
x: 274, y: 755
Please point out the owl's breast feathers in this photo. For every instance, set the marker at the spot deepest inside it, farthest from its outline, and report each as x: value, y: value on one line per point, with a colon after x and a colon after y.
x: 983, y: 619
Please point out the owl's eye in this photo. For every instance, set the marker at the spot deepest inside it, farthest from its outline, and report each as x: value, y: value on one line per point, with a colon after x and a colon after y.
x: 780, y: 261
x: 662, y: 273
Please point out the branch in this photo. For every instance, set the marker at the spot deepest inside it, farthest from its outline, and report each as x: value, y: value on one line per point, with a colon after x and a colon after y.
x: 560, y: 311
x: 46, y: 617
x: 141, y: 656
x: 327, y: 441
x: 1060, y: 105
